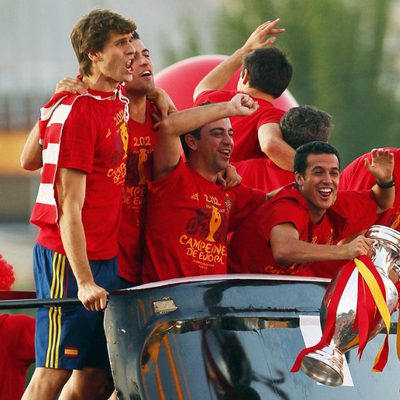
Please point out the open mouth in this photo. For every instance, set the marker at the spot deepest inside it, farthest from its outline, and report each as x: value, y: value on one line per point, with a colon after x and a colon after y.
x: 129, y: 66
x: 146, y: 74
x: 225, y: 153
x: 325, y: 193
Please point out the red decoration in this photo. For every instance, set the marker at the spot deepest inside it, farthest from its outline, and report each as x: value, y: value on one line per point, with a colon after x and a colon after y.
x: 180, y: 79
x: 6, y: 274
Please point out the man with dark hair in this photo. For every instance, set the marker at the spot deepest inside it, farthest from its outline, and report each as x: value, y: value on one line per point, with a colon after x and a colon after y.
x: 188, y: 214
x: 300, y: 226
x: 299, y: 125
x: 305, y: 124
x: 266, y: 73
x: 77, y: 209
x: 268, y: 70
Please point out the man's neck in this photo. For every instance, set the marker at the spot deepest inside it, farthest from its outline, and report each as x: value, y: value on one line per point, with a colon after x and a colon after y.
x: 316, y: 215
x: 100, y: 82
x: 197, y: 167
x: 137, y: 108
x: 259, y: 94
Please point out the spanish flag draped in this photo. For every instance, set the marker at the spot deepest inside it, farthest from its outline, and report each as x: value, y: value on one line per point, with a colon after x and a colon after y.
x: 371, y: 308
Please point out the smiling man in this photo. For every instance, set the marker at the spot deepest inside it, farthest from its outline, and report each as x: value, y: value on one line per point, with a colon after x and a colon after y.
x: 300, y: 226
x: 188, y: 214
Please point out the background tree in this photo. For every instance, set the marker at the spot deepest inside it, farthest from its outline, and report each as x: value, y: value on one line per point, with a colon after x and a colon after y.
x: 337, y: 49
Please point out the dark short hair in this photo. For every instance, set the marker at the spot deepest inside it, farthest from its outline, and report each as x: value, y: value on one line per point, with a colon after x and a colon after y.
x: 269, y: 70
x: 316, y: 147
x: 195, y: 133
x: 91, y: 32
x: 305, y: 124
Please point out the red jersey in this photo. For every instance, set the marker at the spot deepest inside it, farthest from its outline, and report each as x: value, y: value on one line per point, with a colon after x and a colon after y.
x: 141, y: 144
x: 356, y: 177
x: 250, y: 250
x: 17, y: 349
x: 188, y: 219
x: 263, y: 174
x: 95, y: 141
x: 256, y: 172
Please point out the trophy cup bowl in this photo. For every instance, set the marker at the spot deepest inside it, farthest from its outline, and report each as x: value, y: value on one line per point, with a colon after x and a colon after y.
x: 326, y: 365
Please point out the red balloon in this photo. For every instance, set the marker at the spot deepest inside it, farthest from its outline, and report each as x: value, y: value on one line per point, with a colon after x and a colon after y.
x: 180, y: 79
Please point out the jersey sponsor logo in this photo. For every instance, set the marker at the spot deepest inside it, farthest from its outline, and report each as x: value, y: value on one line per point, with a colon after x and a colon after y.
x: 195, y: 196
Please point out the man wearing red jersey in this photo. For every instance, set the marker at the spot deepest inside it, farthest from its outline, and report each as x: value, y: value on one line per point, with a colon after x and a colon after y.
x: 141, y: 143
x: 188, y: 214
x: 303, y: 221
x: 138, y: 166
x: 356, y: 177
x: 266, y: 73
x: 85, y: 146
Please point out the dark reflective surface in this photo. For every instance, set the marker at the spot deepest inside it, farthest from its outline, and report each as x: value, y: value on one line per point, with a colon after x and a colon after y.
x: 227, y: 339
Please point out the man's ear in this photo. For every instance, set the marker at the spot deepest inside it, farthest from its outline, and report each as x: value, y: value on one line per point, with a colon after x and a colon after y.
x: 191, y: 141
x: 299, y: 179
x: 95, y: 56
x: 245, y: 76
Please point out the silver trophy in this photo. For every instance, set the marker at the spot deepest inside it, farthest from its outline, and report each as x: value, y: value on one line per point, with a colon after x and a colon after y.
x: 326, y: 365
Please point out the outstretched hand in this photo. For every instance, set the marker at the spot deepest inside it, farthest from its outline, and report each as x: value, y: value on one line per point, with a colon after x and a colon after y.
x: 259, y: 37
x: 242, y: 104
x: 381, y: 165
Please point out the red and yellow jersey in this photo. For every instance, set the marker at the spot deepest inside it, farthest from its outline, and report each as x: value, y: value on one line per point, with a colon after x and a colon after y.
x: 95, y: 141
x: 188, y: 219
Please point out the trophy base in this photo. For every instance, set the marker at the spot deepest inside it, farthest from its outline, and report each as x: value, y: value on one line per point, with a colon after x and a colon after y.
x: 324, y: 366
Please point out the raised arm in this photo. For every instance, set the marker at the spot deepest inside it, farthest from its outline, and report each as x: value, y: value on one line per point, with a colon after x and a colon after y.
x: 272, y: 144
x: 31, y: 155
x: 381, y: 167
x: 168, y: 150
x: 220, y: 75
x: 288, y: 248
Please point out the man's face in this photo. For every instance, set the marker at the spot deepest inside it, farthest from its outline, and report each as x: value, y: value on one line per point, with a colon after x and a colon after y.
x: 320, y: 182
x: 216, y: 144
x: 116, y: 59
x: 142, y: 77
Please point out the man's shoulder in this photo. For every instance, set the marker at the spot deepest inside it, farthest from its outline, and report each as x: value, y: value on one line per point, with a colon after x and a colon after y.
x: 215, y: 96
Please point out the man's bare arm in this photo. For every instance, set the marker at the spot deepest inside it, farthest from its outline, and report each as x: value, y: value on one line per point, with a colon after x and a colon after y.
x: 167, y: 151
x: 71, y: 187
x: 288, y: 248
x: 381, y: 167
x: 220, y: 75
x: 274, y: 147
x: 31, y: 155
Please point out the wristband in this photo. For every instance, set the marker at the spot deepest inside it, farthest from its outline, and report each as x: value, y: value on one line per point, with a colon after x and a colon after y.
x: 386, y: 185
